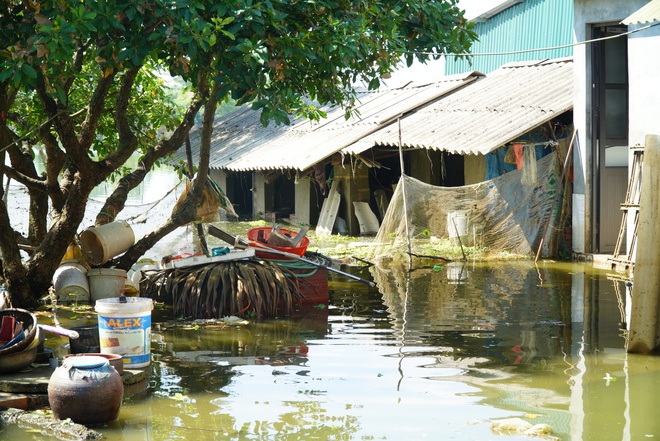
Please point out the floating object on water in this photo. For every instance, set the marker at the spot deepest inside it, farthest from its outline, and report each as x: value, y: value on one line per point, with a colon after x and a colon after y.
x: 233, y: 320
x: 276, y: 239
x: 214, y: 231
x: 518, y: 426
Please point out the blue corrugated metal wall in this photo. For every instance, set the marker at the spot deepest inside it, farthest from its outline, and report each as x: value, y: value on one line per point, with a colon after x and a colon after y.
x: 532, y: 24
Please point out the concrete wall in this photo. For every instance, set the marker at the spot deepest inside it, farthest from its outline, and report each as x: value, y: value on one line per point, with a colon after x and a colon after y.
x: 220, y: 178
x: 586, y: 14
x: 643, y: 68
x: 475, y: 169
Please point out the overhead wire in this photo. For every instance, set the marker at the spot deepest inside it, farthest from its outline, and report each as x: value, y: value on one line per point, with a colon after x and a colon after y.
x: 550, y: 48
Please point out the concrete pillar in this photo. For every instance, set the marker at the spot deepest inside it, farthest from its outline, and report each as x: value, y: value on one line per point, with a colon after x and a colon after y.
x: 644, y: 330
x: 354, y: 187
x: 258, y: 195
x: 303, y: 201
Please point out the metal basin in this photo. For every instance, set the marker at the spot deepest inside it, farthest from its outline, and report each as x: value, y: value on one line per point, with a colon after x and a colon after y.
x: 29, y: 322
x: 17, y: 361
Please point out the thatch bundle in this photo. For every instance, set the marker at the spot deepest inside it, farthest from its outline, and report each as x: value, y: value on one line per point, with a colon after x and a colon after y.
x: 234, y: 288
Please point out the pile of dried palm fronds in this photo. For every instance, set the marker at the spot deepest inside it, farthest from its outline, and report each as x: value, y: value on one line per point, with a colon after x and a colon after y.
x: 255, y: 287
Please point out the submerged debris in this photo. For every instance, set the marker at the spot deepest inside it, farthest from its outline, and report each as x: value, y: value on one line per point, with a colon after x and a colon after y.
x: 61, y: 429
x: 518, y: 426
x: 224, y: 322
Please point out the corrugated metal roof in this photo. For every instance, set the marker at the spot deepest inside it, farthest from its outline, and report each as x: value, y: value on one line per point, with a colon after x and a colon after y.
x: 646, y: 14
x: 240, y: 143
x: 536, y: 26
x: 489, y: 113
x: 494, y: 9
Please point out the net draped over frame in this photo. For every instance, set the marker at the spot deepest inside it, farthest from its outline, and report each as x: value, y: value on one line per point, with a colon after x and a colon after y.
x: 505, y: 214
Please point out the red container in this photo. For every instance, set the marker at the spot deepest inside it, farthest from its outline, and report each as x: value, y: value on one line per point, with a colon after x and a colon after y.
x: 261, y: 235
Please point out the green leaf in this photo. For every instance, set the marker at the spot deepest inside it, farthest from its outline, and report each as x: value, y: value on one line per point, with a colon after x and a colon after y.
x: 28, y: 71
x: 5, y: 73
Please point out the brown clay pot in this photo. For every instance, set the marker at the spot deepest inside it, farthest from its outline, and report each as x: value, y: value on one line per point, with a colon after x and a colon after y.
x: 87, y: 390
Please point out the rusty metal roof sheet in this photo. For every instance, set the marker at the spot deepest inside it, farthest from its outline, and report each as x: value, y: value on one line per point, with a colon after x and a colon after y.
x: 240, y: 143
x: 646, y: 14
x: 489, y: 113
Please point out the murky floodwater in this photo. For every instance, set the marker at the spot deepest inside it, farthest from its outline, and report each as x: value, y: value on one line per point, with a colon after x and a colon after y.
x: 435, y: 354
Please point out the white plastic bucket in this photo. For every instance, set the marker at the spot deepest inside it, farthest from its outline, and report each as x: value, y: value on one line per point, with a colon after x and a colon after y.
x: 100, y: 244
x: 125, y: 328
x: 70, y: 283
x: 457, y: 224
x: 106, y: 283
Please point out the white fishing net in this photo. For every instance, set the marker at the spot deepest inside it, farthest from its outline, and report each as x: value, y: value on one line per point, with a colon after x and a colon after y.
x: 508, y: 214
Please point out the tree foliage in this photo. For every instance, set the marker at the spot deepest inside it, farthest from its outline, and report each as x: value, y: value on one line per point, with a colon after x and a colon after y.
x: 78, y: 81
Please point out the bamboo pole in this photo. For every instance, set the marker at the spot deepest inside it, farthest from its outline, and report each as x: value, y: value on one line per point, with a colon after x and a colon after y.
x: 554, y: 200
x: 403, y: 192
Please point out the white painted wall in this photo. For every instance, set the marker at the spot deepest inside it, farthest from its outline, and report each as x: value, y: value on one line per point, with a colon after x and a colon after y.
x: 644, y: 94
x: 644, y: 78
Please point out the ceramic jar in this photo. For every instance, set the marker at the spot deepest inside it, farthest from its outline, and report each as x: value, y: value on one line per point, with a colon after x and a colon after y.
x: 87, y: 390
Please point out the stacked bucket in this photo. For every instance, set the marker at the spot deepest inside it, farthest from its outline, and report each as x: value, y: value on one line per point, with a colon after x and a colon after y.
x: 124, y: 323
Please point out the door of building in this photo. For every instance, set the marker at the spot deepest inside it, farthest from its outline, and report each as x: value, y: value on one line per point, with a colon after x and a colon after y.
x: 610, y: 134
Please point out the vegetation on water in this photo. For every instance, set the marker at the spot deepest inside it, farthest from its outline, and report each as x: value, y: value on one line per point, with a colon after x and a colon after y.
x: 360, y: 250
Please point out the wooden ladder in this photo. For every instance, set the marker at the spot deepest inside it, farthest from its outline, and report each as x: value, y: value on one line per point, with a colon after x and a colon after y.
x: 620, y: 259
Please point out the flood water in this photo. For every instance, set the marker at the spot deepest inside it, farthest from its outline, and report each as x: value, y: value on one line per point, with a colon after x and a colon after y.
x: 437, y: 353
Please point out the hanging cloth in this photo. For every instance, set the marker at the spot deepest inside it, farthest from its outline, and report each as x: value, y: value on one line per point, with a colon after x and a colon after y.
x: 529, y: 165
x: 518, y: 153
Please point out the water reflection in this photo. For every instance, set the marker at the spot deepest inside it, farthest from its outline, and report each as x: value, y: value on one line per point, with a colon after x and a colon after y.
x: 434, y: 353
x: 438, y: 350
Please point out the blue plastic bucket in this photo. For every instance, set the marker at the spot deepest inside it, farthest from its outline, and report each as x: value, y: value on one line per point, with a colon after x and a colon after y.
x: 125, y: 328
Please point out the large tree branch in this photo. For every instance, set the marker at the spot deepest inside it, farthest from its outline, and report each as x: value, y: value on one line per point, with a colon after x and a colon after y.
x: 66, y: 131
x: 185, y: 214
x: 95, y: 109
x: 187, y: 211
x: 55, y: 160
x: 115, y: 203
x: 31, y: 183
x: 78, y: 65
x: 128, y: 142
x: 126, y: 135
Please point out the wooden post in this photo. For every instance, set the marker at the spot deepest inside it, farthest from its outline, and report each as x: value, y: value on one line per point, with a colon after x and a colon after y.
x: 645, y: 316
